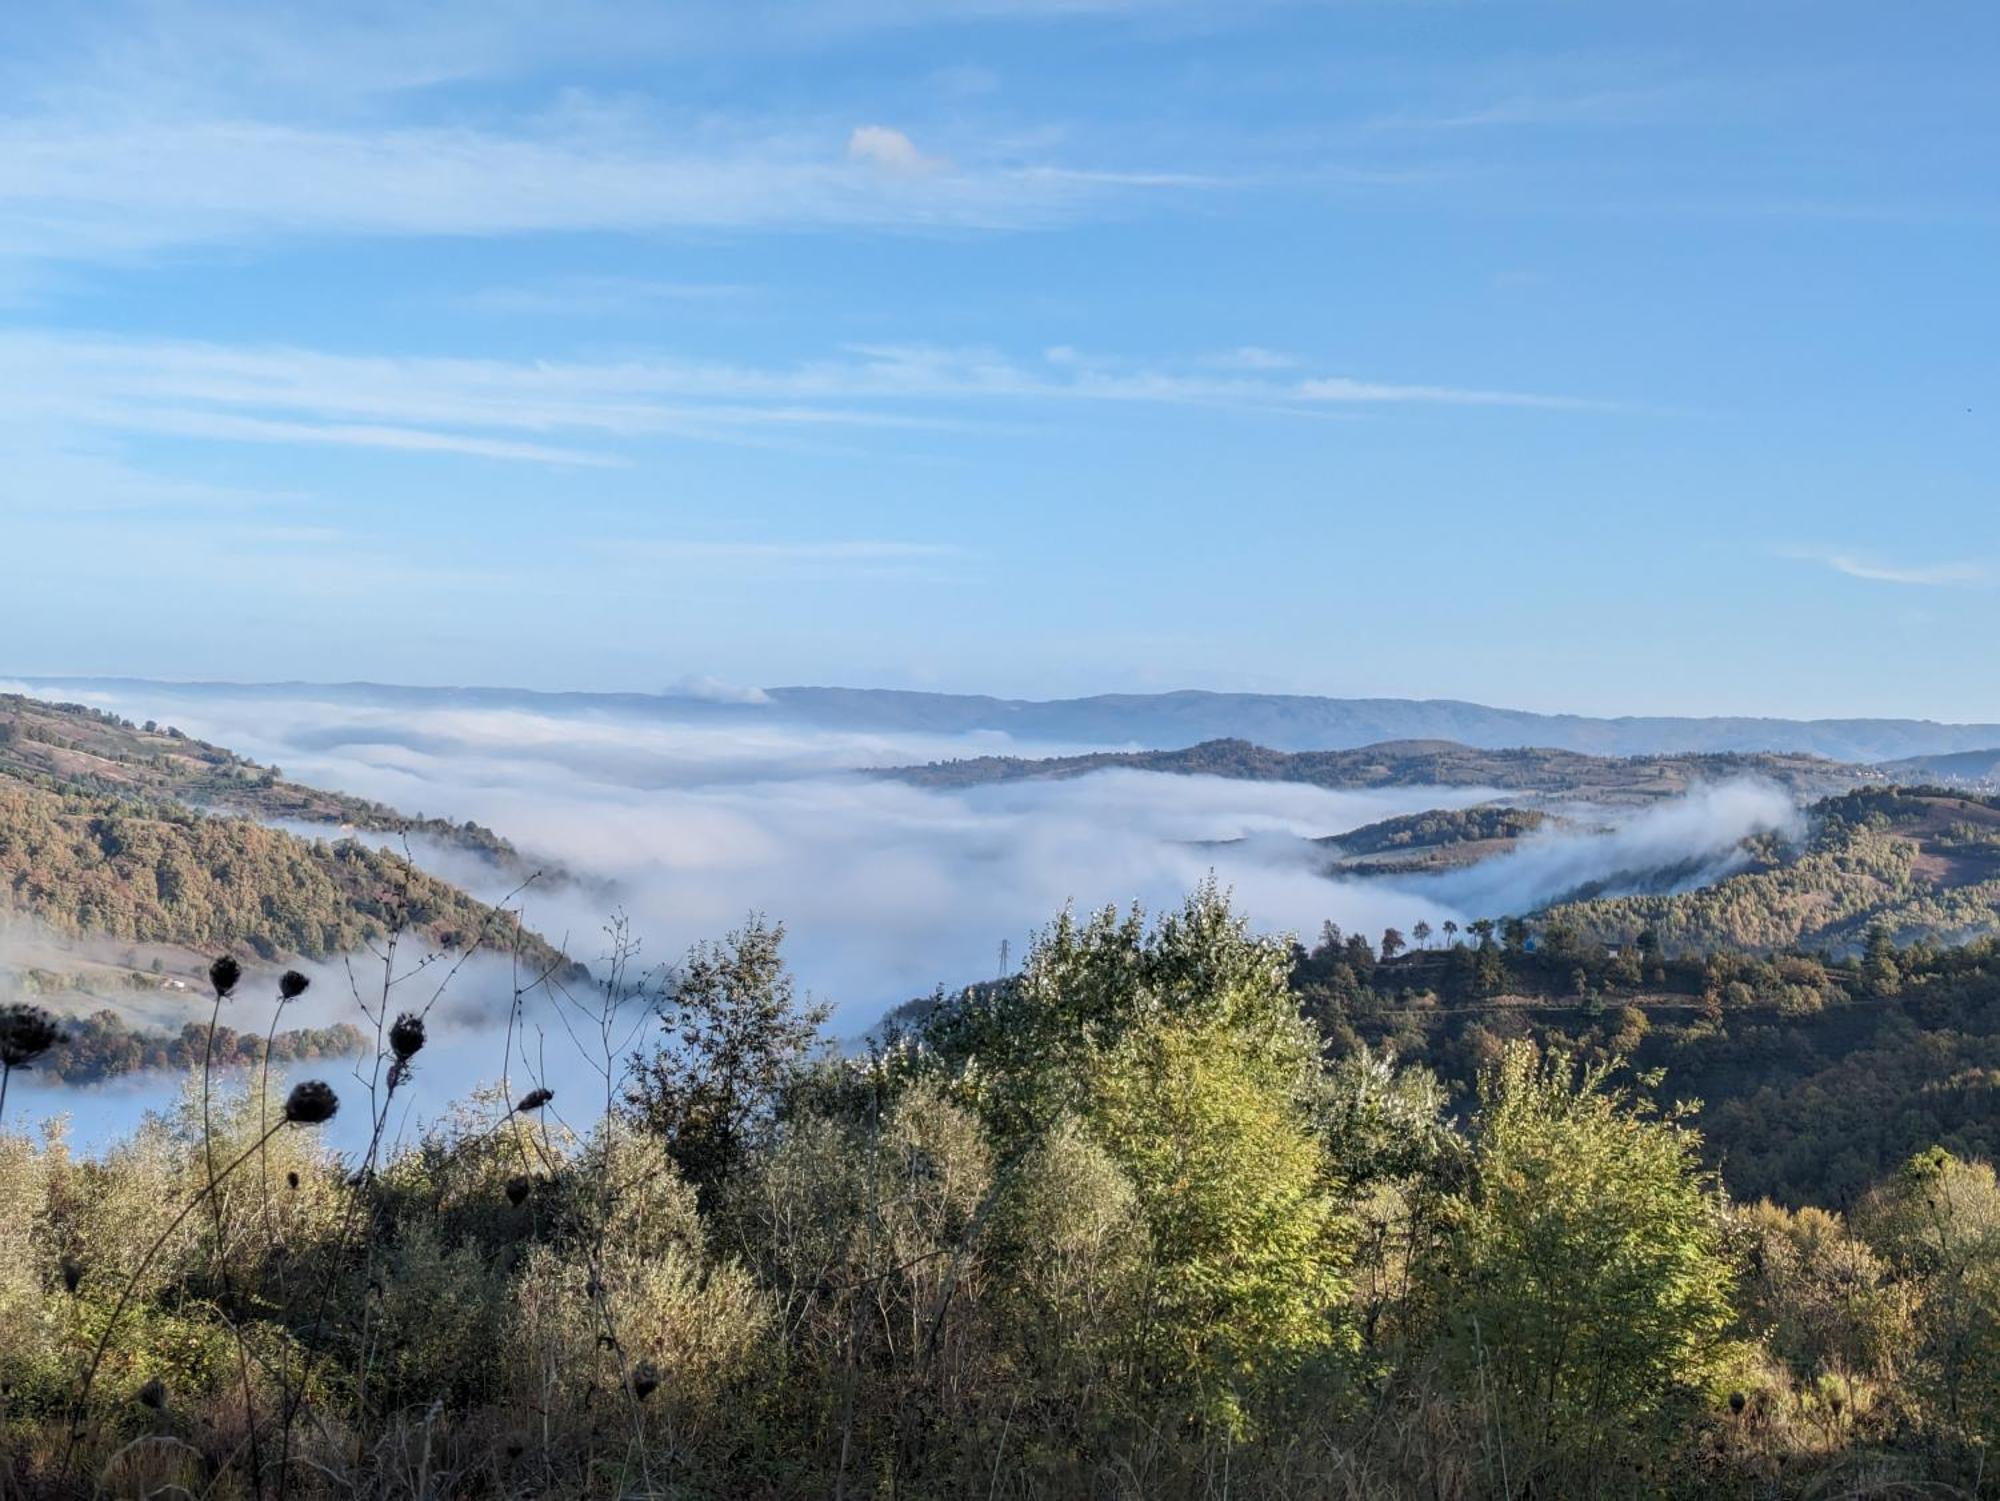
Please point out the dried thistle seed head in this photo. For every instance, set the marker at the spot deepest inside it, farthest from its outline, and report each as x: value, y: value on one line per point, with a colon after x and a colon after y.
x: 292, y: 985
x: 534, y: 1099
x: 292, y: 1178
x: 406, y: 1037
x: 1737, y: 1402
x: 645, y: 1381
x: 223, y: 974
x: 311, y: 1103
x: 26, y: 1032
x: 153, y: 1394
x: 518, y: 1190
x: 72, y: 1273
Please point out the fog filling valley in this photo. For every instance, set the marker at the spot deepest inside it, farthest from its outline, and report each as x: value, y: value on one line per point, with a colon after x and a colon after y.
x: 886, y: 890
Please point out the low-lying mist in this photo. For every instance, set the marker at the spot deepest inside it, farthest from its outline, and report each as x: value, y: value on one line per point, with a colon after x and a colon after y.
x: 887, y: 890
x: 1695, y: 840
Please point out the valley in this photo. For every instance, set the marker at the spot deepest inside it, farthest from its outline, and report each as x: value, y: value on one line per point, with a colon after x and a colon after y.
x: 1802, y: 956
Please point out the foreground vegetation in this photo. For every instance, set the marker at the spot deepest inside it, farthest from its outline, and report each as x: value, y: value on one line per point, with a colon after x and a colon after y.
x: 1130, y: 1223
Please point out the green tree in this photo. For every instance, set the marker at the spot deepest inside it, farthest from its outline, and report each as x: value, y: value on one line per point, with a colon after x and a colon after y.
x: 1245, y: 1277
x: 1026, y: 1048
x: 1583, y: 1281
x: 1937, y: 1221
x: 737, y: 1038
x: 1820, y: 1299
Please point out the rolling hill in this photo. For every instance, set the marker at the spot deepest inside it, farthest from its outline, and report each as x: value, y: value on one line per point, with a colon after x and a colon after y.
x: 1421, y: 843
x: 131, y: 855
x: 1921, y: 864
x: 1569, y: 775
x: 76, y: 747
x: 1978, y: 769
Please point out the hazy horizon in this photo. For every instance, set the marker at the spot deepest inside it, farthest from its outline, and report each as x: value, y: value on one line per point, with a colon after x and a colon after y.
x: 700, y: 688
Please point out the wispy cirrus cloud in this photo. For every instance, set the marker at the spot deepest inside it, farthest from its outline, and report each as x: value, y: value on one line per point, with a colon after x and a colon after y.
x: 154, y: 126
x: 1947, y: 573
x: 587, y: 411
x: 288, y: 51
x: 71, y: 188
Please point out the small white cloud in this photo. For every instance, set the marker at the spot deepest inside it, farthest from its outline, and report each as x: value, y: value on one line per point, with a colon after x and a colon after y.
x: 711, y: 690
x: 890, y: 149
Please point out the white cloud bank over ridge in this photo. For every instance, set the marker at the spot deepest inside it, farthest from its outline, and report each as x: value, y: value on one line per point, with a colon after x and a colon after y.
x: 891, y: 889
x: 887, y: 890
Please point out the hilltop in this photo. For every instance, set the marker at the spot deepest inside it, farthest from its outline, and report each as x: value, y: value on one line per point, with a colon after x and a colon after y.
x: 1417, y: 843
x: 1570, y: 775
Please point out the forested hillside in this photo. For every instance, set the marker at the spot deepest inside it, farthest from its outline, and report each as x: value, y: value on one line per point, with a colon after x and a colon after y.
x: 1437, y: 840
x: 1813, y: 1077
x: 73, y: 746
x: 1420, y: 763
x: 93, y: 864
x: 102, y: 1046
x: 1920, y: 863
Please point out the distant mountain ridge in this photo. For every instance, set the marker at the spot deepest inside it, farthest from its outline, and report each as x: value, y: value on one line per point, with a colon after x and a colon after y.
x: 1185, y: 717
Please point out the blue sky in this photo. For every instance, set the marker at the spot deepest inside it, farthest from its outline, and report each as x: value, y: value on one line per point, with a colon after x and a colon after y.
x: 1614, y: 357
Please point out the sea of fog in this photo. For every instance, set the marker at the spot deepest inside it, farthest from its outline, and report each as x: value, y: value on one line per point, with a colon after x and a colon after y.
x: 886, y: 890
